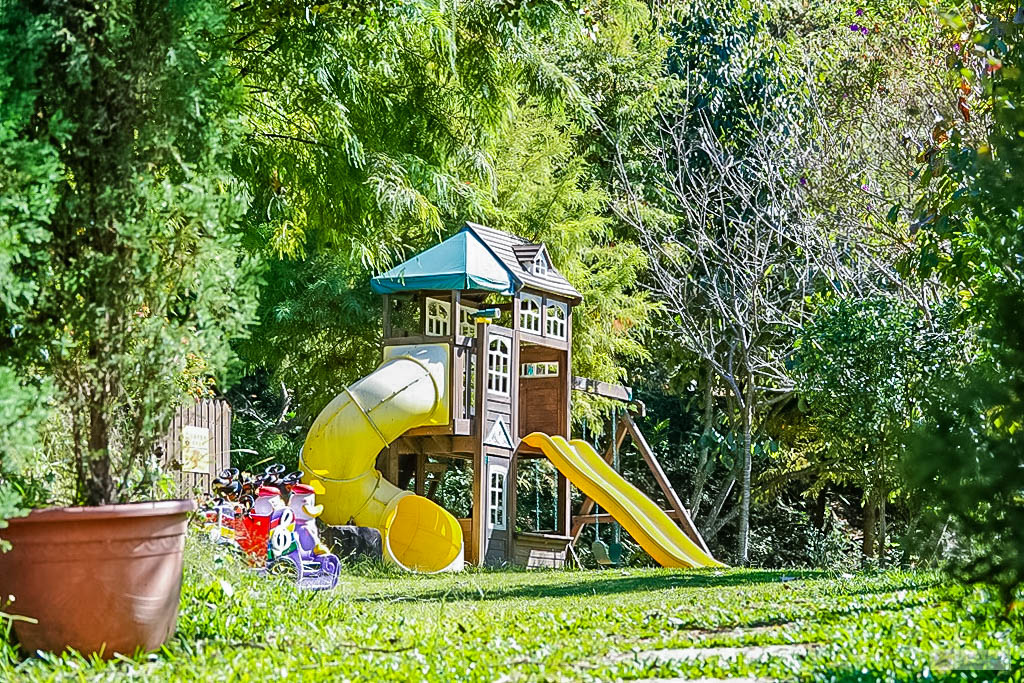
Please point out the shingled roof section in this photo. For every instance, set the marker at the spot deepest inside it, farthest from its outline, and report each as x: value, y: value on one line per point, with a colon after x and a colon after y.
x: 512, y: 251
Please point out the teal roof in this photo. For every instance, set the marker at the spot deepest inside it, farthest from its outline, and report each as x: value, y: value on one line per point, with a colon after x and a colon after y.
x: 461, y: 262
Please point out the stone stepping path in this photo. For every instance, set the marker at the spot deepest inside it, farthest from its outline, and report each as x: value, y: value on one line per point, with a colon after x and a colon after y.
x: 750, y: 653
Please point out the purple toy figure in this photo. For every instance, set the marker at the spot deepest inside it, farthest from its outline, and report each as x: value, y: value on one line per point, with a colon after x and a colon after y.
x: 311, y: 550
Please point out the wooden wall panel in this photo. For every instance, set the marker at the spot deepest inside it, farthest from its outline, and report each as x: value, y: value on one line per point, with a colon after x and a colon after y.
x: 467, y: 538
x: 543, y: 400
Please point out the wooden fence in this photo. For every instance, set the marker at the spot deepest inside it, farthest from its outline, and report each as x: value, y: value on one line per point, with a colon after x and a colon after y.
x: 198, y: 445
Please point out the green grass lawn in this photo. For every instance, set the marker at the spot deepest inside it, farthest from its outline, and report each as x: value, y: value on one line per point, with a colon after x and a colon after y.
x: 513, y: 625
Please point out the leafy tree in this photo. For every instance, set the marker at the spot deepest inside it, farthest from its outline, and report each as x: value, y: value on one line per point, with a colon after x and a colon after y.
x: 131, y: 110
x: 547, y: 192
x: 29, y: 175
x: 371, y: 123
x: 971, y: 456
x: 875, y: 83
x: 22, y: 410
x: 865, y: 372
x: 419, y: 116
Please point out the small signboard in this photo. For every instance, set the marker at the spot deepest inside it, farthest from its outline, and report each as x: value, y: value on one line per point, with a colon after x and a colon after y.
x: 195, y: 449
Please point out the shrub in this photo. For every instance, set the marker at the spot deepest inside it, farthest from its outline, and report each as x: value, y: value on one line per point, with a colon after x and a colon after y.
x: 121, y: 117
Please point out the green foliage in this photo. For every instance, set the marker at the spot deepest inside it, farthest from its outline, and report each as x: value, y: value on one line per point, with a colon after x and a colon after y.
x: 865, y: 370
x: 22, y: 411
x: 29, y: 175
x: 783, y: 535
x: 30, y: 169
x: 264, y: 429
x: 972, y: 456
x: 547, y: 192
x: 879, y: 91
x: 725, y: 61
x: 319, y: 329
x: 371, y: 124
x: 121, y: 122
x: 564, y: 625
x: 377, y: 131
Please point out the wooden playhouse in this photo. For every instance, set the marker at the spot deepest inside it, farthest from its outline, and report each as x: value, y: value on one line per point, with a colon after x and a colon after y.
x: 506, y: 314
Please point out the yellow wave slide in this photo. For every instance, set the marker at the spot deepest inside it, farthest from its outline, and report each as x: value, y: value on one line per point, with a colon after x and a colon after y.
x: 639, y: 515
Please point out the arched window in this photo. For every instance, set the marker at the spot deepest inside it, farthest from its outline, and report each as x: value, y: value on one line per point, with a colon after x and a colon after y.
x: 555, y: 319
x: 499, y: 359
x: 439, y: 314
x: 529, y: 313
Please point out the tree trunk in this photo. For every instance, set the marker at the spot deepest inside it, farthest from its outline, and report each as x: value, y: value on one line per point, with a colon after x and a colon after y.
x: 867, y: 546
x: 818, y: 510
x: 743, y: 537
x: 708, y: 525
x: 881, y: 531
x: 99, y: 485
x: 702, y: 463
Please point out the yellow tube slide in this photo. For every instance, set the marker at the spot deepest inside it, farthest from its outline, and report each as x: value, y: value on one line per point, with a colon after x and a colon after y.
x: 639, y: 515
x: 337, y: 460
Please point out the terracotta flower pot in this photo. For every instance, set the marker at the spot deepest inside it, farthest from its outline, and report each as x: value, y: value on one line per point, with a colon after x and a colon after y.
x: 98, y: 579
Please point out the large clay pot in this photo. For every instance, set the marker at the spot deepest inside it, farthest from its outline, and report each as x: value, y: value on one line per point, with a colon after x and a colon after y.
x: 98, y: 579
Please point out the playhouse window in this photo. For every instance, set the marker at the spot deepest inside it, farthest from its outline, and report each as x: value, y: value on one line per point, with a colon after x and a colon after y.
x: 529, y: 313
x: 439, y: 315
x: 540, y: 264
x: 499, y: 358
x: 548, y: 369
x: 557, y: 313
x: 497, y: 498
x: 467, y: 328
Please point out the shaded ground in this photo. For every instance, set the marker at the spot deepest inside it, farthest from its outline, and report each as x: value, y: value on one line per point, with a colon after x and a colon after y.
x: 568, y: 625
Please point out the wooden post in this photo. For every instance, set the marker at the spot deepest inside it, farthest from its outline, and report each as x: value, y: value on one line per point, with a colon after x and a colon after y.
x: 563, y: 525
x: 513, y: 427
x: 390, y: 470
x: 564, y: 522
x: 454, y: 379
x: 666, y: 487
x: 421, y: 473
x: 567, y: 381
x: 617, y: 466
x: 479, y: 536
x: 387, y: 316
x: 511, y: 507
x: 514, y: 379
